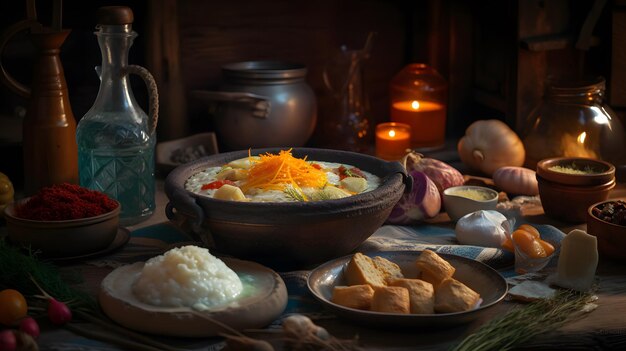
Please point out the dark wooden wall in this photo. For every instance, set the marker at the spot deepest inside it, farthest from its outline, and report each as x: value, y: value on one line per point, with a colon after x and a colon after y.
x: 309, y: 32
x: 493, y: 53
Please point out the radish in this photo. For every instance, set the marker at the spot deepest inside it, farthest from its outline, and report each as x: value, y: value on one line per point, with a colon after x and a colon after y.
x: 8, y: 342
x: 29, y: 326
x: 421, y: 203
x: 58, y: 312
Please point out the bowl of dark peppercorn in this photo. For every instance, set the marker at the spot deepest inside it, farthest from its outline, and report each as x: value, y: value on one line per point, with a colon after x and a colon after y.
x: 606, y: 221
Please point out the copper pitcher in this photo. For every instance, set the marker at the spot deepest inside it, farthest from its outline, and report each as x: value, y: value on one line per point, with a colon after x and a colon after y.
x: 49, y: 128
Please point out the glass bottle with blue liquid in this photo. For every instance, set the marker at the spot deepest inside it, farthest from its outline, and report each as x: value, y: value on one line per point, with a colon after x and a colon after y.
x: 116, y: 139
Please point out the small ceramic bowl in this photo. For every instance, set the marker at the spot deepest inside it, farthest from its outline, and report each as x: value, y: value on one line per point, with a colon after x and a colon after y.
x: 578, y: 171
x: 569, y: 185
x: 611, y: 236
x: 464, y: 199
x: 57, y: 239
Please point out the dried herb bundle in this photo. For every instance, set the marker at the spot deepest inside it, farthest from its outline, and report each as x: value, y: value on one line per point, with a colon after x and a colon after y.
x: 526, y: 322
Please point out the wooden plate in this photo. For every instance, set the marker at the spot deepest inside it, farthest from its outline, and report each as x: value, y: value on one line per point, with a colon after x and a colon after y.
x: 263, y: 300
x: 481, y: 278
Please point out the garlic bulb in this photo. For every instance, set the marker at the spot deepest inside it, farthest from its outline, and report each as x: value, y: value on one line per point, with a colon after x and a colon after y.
x: 489, y: 145
x: 484, y: 228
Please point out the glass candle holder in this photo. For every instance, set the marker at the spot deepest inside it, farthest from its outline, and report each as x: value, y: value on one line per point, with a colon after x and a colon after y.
x: 418, y: 95
x: 392, y: 140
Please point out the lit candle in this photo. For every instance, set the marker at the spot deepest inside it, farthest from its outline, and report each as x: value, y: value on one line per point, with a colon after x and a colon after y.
x: 392, y: 140
x: 426, y: 118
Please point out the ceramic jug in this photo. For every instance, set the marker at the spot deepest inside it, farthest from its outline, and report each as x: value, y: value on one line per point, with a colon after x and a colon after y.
x: 49, y: 128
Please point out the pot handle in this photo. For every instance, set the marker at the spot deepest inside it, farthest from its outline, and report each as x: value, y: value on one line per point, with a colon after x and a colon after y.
x: 397, y: 167
x: 260, y: 104
x: 187, y: 205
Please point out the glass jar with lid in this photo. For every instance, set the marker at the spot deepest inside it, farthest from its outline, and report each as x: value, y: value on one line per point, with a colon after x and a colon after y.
x: 572, y: 120
x: 419, y: 96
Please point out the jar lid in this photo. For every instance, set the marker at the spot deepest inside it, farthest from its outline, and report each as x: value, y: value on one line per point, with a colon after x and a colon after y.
x: 572, y: 86
x: 115, y: 15
x: 264, y: 70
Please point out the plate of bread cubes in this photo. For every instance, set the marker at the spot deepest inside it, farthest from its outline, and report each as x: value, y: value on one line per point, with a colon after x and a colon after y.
x: 407, y: 288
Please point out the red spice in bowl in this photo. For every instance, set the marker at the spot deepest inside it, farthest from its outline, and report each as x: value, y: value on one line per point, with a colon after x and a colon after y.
x: 65, y: 202
x: 63, y: 220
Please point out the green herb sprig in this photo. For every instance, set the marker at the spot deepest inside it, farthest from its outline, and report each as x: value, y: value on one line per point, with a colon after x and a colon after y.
x: 294, y: 193
x: 525, y: 322
x: 19, y: 271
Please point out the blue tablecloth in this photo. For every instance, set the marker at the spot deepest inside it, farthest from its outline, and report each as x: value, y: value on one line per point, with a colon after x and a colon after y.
x: 156, y: 239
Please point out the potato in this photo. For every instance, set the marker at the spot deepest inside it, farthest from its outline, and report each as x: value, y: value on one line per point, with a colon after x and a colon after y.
x: 354, y: 184
x: 243, y: 163
x: 229, y: 192
x: 232, y: 174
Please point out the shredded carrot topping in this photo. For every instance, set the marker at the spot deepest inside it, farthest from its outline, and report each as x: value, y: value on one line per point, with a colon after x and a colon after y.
x: 276, y: 172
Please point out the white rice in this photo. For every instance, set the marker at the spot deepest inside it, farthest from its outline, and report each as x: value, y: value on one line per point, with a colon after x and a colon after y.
x: 188, y: 276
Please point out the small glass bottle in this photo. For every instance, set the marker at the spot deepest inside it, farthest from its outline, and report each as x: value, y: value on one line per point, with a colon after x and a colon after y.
x: 347, y: 126
x: 572, y: 120
x: 116, y: 139
x: 419, y: 96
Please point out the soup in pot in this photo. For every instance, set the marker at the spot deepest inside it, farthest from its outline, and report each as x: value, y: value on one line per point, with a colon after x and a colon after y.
x: 281, y: 178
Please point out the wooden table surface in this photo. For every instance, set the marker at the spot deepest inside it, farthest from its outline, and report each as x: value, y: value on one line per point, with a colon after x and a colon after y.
x: 602, y: 329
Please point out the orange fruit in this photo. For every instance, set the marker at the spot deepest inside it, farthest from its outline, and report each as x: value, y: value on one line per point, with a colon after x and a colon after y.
x: 547, y: 246
x: 528, y: 244
x: 13, y: 306
x: 508, y: 245
x: 529, y: 228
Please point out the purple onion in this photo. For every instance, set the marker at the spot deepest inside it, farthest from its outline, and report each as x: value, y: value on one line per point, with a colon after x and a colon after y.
x: 421, y: 203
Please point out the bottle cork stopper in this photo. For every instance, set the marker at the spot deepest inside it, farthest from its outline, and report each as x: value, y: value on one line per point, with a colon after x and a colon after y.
x: 115, y: 15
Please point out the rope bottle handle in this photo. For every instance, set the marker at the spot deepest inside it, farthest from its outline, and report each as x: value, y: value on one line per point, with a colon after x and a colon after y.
x: 153, y: 93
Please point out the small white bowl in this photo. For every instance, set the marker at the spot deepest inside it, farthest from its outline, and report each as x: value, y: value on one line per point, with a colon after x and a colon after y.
x: 458, y: 203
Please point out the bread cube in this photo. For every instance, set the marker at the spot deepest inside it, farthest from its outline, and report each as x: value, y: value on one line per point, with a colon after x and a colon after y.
x: 355, y: 296
x: 433, y: 268
x: 421, y: 295
x: 453, y: 296
x: 389, y: 269
x: 362, y: 270
x: 391, y: 299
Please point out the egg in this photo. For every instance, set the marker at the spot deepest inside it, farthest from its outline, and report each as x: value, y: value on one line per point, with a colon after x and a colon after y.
x: 484, y: 228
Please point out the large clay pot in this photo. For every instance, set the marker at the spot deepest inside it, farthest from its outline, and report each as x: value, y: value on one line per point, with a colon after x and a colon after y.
x: 292, y: 234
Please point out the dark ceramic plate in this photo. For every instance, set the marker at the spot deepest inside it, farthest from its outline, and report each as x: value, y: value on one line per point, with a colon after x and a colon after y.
x: 483, y: 279
x: 121, y: 238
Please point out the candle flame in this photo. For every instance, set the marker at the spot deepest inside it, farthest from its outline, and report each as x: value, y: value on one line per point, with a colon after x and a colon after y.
x: 581, y: 138
x: 415, y: 105
x: 392, y: 133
